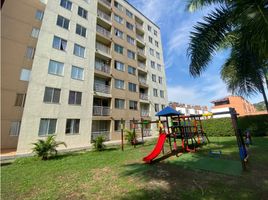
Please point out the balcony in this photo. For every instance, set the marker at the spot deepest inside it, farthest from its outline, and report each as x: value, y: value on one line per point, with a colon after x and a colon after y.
x: 139, y: 28
x: 144, y: 113
x: 105, y: 2
x: 103, y: 50
x: 102, y: 66
x: 143, y: 81
x: 101, y: 111
x: 144, y: 96
x: 141, y: 65
x: 102, y: 88
x: 104, y: 133
x: 141, y: 54
x: 140, y: 40
x: 104, y: 19
x: 103, y: 34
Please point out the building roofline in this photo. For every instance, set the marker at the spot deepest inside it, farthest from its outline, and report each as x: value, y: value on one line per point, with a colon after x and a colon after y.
x: 142, y: 14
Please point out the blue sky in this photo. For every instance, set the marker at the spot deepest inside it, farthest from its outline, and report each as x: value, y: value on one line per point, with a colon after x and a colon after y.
x: 175, y: 24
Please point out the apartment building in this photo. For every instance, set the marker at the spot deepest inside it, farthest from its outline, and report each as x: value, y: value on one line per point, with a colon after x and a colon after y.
x: 188, y: 109
x: 74, y: 68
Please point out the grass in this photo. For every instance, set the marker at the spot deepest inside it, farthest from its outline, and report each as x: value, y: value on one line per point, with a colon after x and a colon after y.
x: 113, y: 174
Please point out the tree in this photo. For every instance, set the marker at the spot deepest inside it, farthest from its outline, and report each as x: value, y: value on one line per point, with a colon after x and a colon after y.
x: 242, y: 26
x: 47, y: 148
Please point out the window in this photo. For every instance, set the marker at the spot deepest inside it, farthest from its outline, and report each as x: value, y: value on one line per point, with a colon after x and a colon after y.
x: 66, y: 4
x: 156, y: 107
x: 82, y: 12
x: 72, y: 126
x: 130, y: 54
x: 80, y: 30
x: 153, y: 64
x: 52, y: 95
x: 129, y: 14
x: 149, y: 28
x: 133, y: 105
x: 158, y: 55
x: 117, y: 125
x: 132, y: 87
x: 77, y: 73
x: 155, y: 32
x: 119, y: 103
x: 75, y: 98
x: 14, y: 128
x: 59, y: 43
x: 155, y: 92
x: 130, y: 26
x: 118, y: 48
x: 47, y: 127
x: 118, y: 19
x: 156, y: 43
x: 153, y: 77
x: 163, y: 106
x: 150, y: 39
x: 30, y: 52
x: 55, y: 68
x: 119, y: 66
x: 130, y: 40
x: 35, y: 32
x: 79, y: 50
x: 119, y: 84
x: 160, y: 79
x: 39, y: 15
x: 131, y: 70
x: 161, y: 93
x: 151, y: 51
x: 25, y: 75
x: 159, y: 67
x: 63, y: 22
x: 118, y: 33
x: 20, y: 100
x: 118, y: 6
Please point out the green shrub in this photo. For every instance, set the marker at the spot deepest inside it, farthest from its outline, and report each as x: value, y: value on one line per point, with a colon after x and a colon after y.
x: 46, y: 148
x: 98, y: 143
x: 218, y: 127
x: 130, y: 136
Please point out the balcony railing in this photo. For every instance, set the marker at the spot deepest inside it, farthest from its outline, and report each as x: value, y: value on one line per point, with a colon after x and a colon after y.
x: 104, y: 133
x: 141, y: 51
x: 145, y: 113
x: 98, y: 87
x: 101, y: 111
x: 143, y: 96
x: 141, y: 65
x: 139, y: 26
x: 142, y: 80
x: 147, y: 132
x: 100, y: 66
x: 140, y: 38
x: 103, y: 48
x: 103, y: 31
x: 106, y: 2
x: 104, y: 16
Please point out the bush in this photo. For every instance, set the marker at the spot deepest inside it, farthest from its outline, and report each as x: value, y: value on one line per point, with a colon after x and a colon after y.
x: 130, y: 137
x: 256, y: 124
x: 47, y: 148
x: 98, y: 143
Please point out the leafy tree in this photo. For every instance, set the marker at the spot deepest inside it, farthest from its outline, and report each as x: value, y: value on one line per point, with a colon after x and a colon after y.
x: 47, y: 148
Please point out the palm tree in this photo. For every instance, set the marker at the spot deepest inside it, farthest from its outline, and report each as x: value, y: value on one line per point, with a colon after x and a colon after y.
x: 47, y: 148
x: 242, y: 26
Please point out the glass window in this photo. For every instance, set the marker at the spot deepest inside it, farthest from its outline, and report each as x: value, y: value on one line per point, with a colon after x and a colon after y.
x: 66, y: 4
x: 130, y: 54
x: 63, y: 22
x: 14, y: 128
x: 149, y: 28
x: 39, y: 15
x: 155, y: 92
x: 119, y: 84
x: 155, y: 32
x: 153, y: 77
x: 118, y: 6
x: 30, y: 52
x: 159, y: 67
x: 119, y: 66
x: 77, y: 73
x: 130, y: 40
x: 153, y: 64
x: 156, y: 107
x: 52, y: 95
x: 158, y: 55
x: 151, y: 51
x: 119, y: 103
x: 156, y: 44
x: 160, y: 79
x: 80, y: 30
x: 55, y: 68
x: 161, y: 93
x: 118, y: 48
x: 163, y: 106
x: 59, y: 43
x: 82, y: 12
x: 117, y: 125
x: 20, y: 99
x: 72, y: 126
x: 130, y: 26
x: 129, y: 14
x: 150, y: 39
x: 133, y: 105
x: 47, y: 127
x: 79, y: 50
x: 118, y: 33
x: 132, y: 87
x: 118, y: 19
x: 35, y: 32
x: 131, y: 70
x: 75, y: 98
x: 25, y: 75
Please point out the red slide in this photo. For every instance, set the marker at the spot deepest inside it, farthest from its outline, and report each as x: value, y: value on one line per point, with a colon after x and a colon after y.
x: 157, y: 149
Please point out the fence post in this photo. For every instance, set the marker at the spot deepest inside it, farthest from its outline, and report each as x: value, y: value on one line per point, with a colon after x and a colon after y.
x: 122, y: 134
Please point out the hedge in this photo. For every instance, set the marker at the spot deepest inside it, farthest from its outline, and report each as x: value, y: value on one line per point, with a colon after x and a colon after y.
x: 256, y: 124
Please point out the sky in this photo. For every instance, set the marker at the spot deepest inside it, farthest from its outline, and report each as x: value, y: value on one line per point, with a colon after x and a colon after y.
x: 176, y: 23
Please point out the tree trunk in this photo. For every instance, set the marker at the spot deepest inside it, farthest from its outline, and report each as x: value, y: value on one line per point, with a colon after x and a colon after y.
x: 264, y: 96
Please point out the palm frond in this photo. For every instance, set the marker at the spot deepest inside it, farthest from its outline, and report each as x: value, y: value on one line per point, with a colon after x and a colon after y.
x: 194, y: 5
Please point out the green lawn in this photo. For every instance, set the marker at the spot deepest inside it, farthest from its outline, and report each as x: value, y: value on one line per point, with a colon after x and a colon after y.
x: 113, y: 174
